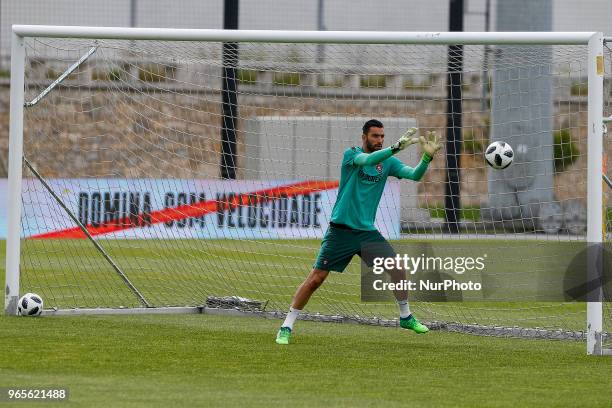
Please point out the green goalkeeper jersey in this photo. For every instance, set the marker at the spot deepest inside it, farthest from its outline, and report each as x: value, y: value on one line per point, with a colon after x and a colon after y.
x: 361, y: 187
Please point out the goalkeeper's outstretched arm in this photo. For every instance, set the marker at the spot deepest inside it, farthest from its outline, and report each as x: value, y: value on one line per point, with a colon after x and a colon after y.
x: 369, y: 159
x: 415, y: 173
x: 429, y: 146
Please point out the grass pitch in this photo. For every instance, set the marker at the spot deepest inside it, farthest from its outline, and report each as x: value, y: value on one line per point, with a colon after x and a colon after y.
x: 200, y: 360
x: 72, y: 273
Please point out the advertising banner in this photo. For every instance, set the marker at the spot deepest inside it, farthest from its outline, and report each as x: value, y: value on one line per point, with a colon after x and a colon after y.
x: 188, y: 209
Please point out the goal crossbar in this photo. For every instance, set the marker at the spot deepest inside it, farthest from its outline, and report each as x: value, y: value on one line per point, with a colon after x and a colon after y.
x: 296, y: 36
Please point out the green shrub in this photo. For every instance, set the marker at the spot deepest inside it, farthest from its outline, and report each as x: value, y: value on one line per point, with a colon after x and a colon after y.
x: 470, y: 144
x: 565, y: 150
x: 579, y: 89
x: 468, y: 212
x: 112, y: 75
x: 246, y: 76
x: 286, y: 78
x: 154, y: 73
x: 373, y: 81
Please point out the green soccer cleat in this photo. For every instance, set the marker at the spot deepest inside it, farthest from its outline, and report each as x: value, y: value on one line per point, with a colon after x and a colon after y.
x: 412, y: 323
x: 284, y: 334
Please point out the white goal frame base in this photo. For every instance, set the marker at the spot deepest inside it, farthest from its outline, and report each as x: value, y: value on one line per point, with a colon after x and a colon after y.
x: 482, y: 330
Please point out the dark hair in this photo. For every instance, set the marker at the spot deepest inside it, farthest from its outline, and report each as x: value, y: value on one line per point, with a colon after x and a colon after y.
x: 370, y: 124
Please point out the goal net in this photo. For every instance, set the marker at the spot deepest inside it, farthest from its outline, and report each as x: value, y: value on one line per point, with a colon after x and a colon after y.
x: 205, y: 176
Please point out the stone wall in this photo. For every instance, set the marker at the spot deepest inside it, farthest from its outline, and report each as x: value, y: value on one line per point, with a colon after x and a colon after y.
x: 151, y: 134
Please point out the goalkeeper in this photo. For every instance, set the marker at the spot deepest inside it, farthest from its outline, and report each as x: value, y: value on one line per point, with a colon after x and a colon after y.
x: 363, y: 176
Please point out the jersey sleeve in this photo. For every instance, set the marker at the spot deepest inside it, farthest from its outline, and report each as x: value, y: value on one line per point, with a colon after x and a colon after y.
x: 349, y: 156
x: 416, y: 173
x: 396, y: 166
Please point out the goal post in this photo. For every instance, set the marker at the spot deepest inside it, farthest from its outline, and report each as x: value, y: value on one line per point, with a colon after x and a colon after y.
x: 140, y: 116
x: 13, y: 239
x: 595, y: 209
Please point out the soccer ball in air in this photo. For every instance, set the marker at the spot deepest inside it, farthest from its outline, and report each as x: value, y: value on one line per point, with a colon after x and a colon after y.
x: 499, y: 155
x: 30, y: 304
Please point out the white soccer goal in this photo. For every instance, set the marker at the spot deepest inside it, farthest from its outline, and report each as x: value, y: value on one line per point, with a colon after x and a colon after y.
x: 143, y: 177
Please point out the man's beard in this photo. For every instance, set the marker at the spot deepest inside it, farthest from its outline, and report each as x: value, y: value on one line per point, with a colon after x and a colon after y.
x: 373, y: 147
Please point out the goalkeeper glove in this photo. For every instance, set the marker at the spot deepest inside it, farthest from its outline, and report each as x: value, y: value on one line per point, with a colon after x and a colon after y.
x: 430, y: 145
x: 405, y: 141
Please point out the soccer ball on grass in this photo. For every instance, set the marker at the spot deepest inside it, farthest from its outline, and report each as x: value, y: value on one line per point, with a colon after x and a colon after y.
x: 30, y: 304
